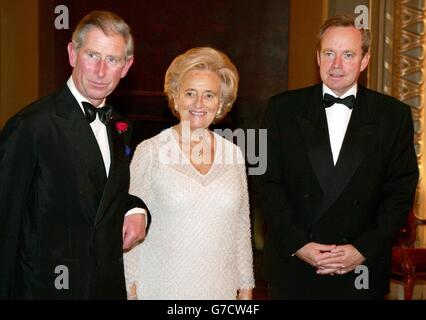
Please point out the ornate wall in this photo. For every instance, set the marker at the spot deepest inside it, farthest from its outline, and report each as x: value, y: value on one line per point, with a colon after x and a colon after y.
x: 398, y: 69
x: 408, y: 83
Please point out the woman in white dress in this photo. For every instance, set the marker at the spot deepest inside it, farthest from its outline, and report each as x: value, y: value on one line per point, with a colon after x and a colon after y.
x: 194, y: 184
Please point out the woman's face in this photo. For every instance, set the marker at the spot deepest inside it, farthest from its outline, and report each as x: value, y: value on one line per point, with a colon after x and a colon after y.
x: 198, y: 99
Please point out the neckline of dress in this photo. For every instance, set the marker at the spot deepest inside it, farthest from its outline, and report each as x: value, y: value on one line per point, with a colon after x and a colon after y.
x: 189, y: 161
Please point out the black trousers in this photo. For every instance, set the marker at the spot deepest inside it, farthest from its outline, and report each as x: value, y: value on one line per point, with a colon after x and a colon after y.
x: 279, y: 291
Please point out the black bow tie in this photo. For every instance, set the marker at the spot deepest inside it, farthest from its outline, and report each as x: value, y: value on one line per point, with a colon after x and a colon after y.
x: 104, y: 112
x: 329, y: 100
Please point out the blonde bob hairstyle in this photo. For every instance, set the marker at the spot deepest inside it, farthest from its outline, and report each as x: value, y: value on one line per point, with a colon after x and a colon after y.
x: 203, y: 58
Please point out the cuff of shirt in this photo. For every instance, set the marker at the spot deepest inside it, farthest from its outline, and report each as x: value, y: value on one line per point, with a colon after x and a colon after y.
x: 138, y: 211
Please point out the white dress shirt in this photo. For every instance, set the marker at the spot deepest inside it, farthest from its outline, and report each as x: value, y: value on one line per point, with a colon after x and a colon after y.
x: 338, y: 116
x: 101, y: 135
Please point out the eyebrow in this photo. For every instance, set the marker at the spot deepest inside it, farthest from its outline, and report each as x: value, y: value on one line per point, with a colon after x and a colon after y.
x: 345, y: 51
x: 97, y: 52
x: 193, y: 89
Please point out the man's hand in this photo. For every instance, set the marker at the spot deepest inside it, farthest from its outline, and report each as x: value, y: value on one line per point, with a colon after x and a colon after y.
x: 133, y: 230
x: 313, y: 253
x: 346, y: 261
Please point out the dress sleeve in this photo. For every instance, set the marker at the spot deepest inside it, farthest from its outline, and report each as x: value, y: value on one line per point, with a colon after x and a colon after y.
x: 140, y: 180
x: 140, y: 171
x: 244, y: 245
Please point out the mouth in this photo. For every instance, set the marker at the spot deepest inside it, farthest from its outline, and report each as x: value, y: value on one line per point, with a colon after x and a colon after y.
x: 197, y: 113
x: 336, y: 76
x: 98, y: 85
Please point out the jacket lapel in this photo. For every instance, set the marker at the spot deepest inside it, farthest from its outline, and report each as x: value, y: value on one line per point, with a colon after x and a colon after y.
x: 71, y: 120
x: 313, y: 124
x: 117, y: 158
x: 355, y: 145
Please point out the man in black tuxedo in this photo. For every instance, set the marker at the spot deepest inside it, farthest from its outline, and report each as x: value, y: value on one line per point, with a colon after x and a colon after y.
x: 340, y: 179
x: 64, y: 172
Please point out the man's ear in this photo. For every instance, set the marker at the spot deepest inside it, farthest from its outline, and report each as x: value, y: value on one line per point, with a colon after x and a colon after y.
x: 127, y: 65
x: 364, y: 61
x: 72, y: 54
x: 318, y: 58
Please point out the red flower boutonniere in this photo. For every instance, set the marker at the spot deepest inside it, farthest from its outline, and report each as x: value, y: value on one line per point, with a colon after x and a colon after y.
x: 121, y: 126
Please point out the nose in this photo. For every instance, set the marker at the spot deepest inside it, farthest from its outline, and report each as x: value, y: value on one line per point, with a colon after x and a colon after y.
x: 199, y: 102
x: 101, y: 68
x: 337, y: 62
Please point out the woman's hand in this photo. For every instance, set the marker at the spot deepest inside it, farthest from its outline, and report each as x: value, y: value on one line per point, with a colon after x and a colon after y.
x: 132, y: 294
x: 245, y: 294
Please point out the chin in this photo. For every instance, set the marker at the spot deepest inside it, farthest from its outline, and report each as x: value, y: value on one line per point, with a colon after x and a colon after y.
x: 98, y: 95
x: 197, y: 126
x: 337, y: 88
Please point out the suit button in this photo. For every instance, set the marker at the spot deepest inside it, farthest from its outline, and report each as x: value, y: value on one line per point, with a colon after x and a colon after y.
x: 355, y: 203
x: 344, y: 240
x: 310, y: 236
x: 306, y: 195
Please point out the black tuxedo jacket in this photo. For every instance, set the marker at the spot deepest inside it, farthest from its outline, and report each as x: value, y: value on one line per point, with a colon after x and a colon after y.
x: 363, y: 200
x: 60, y: 217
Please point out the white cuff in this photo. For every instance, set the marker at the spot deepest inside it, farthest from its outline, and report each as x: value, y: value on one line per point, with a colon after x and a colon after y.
x: 138, y: 211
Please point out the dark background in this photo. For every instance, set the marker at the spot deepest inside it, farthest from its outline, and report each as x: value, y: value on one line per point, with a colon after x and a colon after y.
x: 253, y: 33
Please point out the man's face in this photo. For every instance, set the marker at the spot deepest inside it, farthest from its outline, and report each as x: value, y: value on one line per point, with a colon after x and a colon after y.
x: 99, y: 64
x: 340, y: 58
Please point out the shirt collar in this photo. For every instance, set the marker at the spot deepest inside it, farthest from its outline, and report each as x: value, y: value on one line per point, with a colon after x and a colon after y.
x: 352, y: 91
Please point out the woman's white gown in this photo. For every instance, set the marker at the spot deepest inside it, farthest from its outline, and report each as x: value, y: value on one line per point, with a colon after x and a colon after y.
x: 199, y: 242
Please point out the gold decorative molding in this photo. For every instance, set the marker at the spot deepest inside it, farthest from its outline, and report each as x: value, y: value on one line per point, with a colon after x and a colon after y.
x: 408, y: 81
